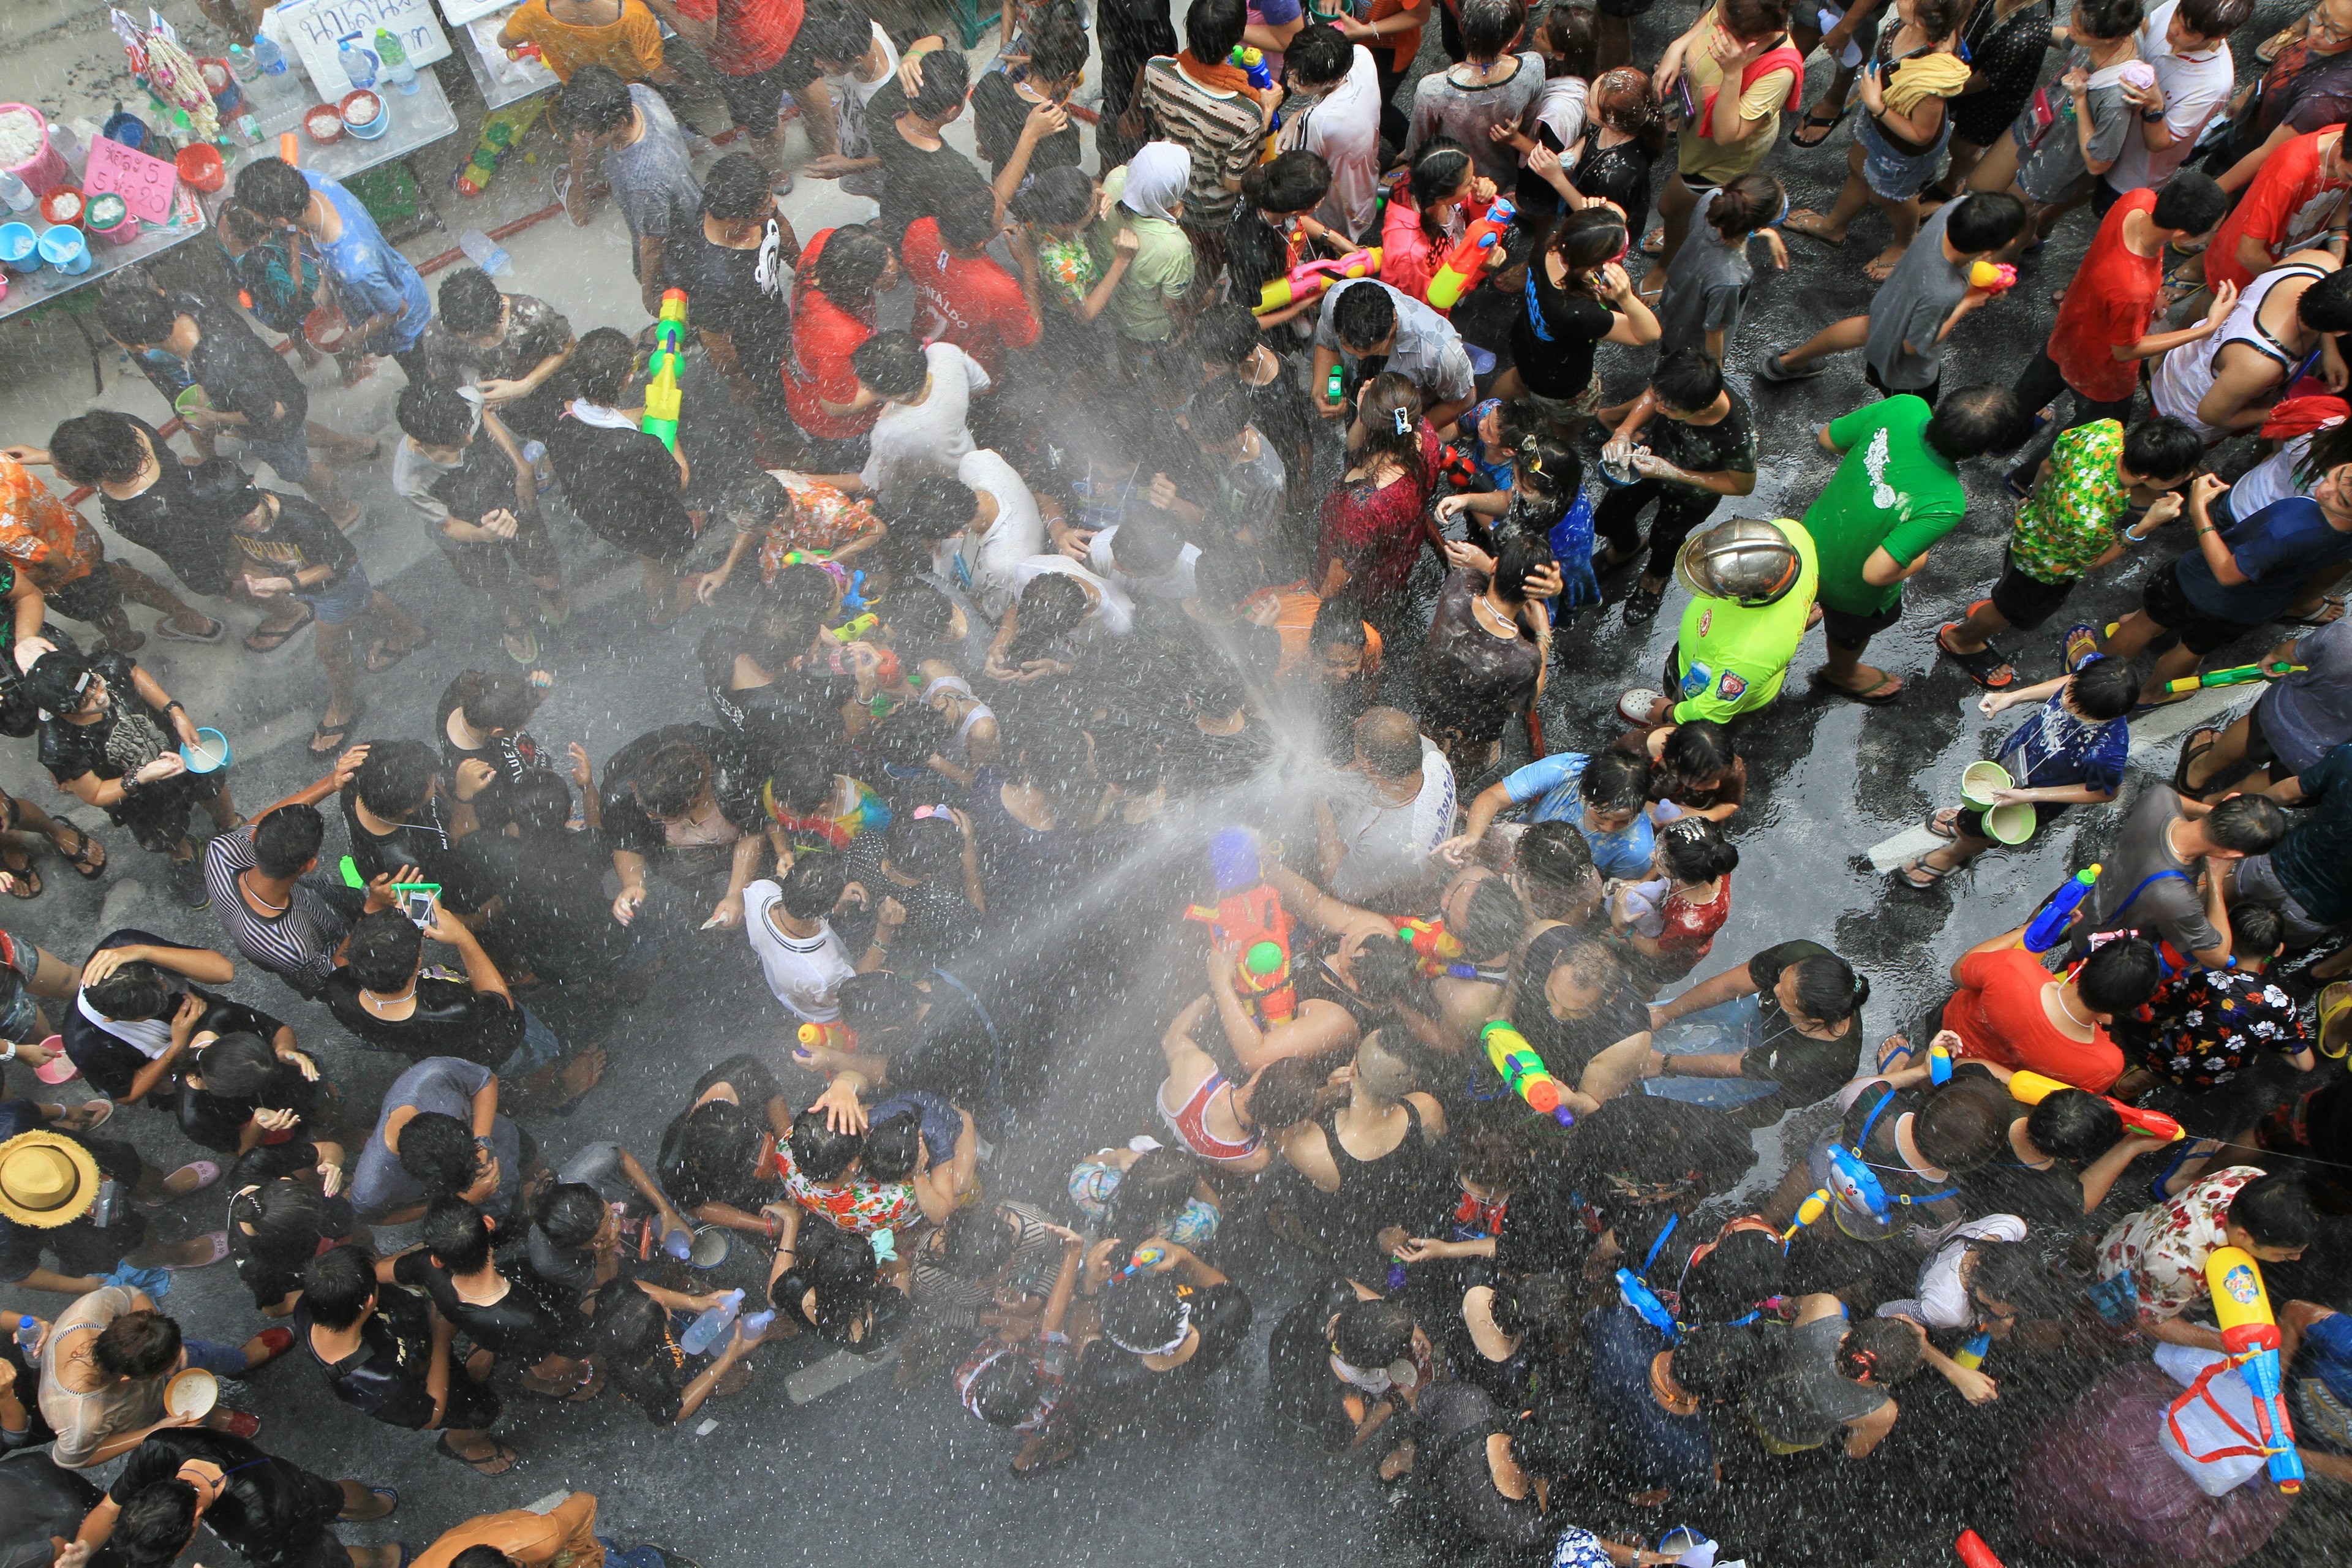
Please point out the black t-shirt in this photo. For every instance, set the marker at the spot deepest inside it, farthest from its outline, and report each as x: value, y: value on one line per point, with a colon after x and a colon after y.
x: 733, y: 781
x: 745, y: 1189
x: 217, y: 1121
x: 423, y: 841
x: 1727, y: 446
x: 1805, y: 1068
x: 452, y: 1019
x: 623, y: 485
x: 998, y: 113
x: 170, y: 517
x: 512, y: 756
x: 1116, y: 1381
x: 270, y: 1510
x: 296, y: 539
x: 800, y: 708
x: 126, y: 737
x: 514, y: 1326
x: 1452, y: 1423
x: 111, y: 1062
x: 1618, y: 173
x: 555, y: 920
x: 1554, y: 334
x: 481, y: 484
x: 746, y: 294
x: 1566, y: 1045
x: 952, y: 1050
x: 914, y: 181
x: 385, y: 1376
x: 240, y: 374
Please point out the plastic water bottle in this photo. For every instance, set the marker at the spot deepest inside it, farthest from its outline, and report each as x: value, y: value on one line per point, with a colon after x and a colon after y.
x: 680, y: 1244
x: 711, y: 1326
x: 1971, y: 1355
x: 242, y: 65
x: 15, y: 192
x: 28, y: 1334
x: 756, y: 1324
x: 396, y: 60
x: 357, y: 62
x: 485, y: 252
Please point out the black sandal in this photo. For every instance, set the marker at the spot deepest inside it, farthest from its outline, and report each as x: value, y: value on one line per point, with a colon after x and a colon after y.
x: 336, y: 735
x: 2189, y: 752
x: 1987, y: 667
x: 262, y: 639
x: 79, y: 857
x: 24, y: 881
x: 1812, y: 119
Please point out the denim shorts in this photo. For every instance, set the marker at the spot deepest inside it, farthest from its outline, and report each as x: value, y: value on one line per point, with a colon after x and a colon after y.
x: 1892, y: 174
x: 289, y: 456
x: 344, y: 602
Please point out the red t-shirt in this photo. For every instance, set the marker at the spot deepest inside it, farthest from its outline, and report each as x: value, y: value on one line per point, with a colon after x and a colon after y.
x: 824, y: 337
x: 1376, y: 533
x: 1997, y: 1012
x: 972, y: 302
x: 2110, y: 301
x: 752, y: 35
x: 2290, y: 196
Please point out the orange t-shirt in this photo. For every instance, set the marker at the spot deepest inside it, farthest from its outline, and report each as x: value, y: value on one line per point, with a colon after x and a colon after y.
x: 1404, y: 45
x: 631, y: 47
x: 1997, y: 1012
x: 565, y: 1537
x: 1294, y: 618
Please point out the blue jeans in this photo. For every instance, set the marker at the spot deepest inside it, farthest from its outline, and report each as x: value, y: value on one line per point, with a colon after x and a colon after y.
x: 1723, y: 1030
x: 630, y: 1557
x: 220, y: 1359
x: 542, y: 1046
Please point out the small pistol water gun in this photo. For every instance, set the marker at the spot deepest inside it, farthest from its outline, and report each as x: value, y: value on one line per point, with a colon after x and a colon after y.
x: 2236, y: 675
x: 2048, y: 927
x: 1468, y: 257
x: 1972, y: 1354
x: 1309, y: 279
x: 835, y: 1037
x: 668, y: 363
x: 501, y: 129
x: 1939, y: 1063
x: 1635, y: 1293
x: 1249, y: 924
x: 1523, y: 1071
x: 2249, y: 1333
x: 856, y: 626
x: 1992, y: 277
x: 2033, y: 1088
x: 1438, y: 949
x: 1145, y: 1256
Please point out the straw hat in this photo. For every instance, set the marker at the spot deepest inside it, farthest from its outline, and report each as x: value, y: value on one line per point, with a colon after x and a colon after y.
x: 45, y: 1179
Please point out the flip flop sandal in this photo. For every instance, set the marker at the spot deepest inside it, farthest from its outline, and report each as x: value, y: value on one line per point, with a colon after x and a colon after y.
x: 2189, y: 752
x: 384, y: 657
x: 79, y: 857
x: 219, y: 1240
x: 1906, y: 1050
x: 1812, y: 119
x: 1770, y: 368
x: 2331, y: 610
x: 1944, y: 824
x: 24, y: 881
x: 261, y: 641
x: 341, y: 732
x: 169, y: 633
x: 499, y: 1455
x: 1886, y: 691
x: 1987, y: 667
x: 2335, y: 1000
x: 1654, y: 243
x: 575, y: 1393
x: 392, y: 1507
x: 1933, y: 874
x: 2080, y: 643
x: 2209, y: 1147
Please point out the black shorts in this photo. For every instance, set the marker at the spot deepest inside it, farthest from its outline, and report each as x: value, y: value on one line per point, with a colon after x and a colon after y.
x: 2168, y: 606
x: 92, y: 597
x: 484, y: 566
x: 1847, y: 630
x: 2026, y: 602
x: 1925, y: 394
x: 754, y: 100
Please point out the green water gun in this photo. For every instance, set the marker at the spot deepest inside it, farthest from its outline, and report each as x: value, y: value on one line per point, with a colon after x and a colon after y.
x: 2237, y: 674
x: 668, y: 363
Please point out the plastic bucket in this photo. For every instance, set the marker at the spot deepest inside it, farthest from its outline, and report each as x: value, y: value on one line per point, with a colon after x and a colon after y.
x: 109, y: 218
x: 20, y: 247
x: 64, y: 204
x: 325, y: 330
x: 1980, y: 781
x: 366, y: 113
x: 321, y: 123
x: 46, y: 169
x: 221, y: 82
x: 59, y: 1068
x: 713, y: 1245
x: 64, y: 249
x: 210, y: 754
x: 127, y: 129
x: 2012, y: 824
x: 191, y: 1392
x: 200, y: 164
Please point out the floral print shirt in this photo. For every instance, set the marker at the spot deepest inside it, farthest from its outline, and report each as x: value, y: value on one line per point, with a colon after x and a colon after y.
x: 41, y: 533
x: 2202, y: 1025
x: 1067, y: 266
x: 2070, y: 518
x: 823, y: 519
x: 861, y: 1208
x: 2164, y: 1247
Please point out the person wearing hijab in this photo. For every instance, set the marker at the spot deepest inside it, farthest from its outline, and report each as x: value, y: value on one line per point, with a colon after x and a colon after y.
x: 1147, y: 198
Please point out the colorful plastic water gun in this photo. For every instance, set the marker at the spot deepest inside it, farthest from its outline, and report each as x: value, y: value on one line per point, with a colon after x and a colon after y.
x: 2033, y: 1088
x: 1972, y: 1354
x: 501, y: 129
x: 1334, y: 384
x: 2249, y: 1333
x: 1523, y: 1072
x: 668, y: 363
x: 1850, y: 1183
x: 833, y: 1037
x: 1249, y: 924
x: 1309, y: 279
x: 2047, y: 929
x: 1635, y: 1293
x: 1145, y: 1256
x: 1940, y: 1062
x: 1992, y: 277
x: 2236, y: 675
x: 1252, y: 63
x: 1467, y: 259
x: 1438, y: 949
x: 1973, y: 1551
x: 851, y: 629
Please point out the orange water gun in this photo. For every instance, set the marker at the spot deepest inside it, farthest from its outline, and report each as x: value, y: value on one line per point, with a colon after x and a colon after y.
x: 835, y: 1037
x: 1249, y: 924
x: 1440, y: 951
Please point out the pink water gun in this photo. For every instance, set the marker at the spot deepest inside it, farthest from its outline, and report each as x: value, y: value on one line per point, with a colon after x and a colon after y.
x: 1309, y: 279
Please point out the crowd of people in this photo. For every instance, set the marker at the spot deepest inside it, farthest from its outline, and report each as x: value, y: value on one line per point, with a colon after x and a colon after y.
x: 1188, y: 571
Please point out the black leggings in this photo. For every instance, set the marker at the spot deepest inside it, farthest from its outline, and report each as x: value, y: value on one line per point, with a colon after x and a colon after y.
x: 1680, y: 510
x: 2039, y: 383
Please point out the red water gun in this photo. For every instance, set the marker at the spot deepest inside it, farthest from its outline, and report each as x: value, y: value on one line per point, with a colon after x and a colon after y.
x: 1249, y: 924
x: 2033, y: 1088
x: 1440, y: 951
x: 1467, y: 259
x: 1974, y: 1551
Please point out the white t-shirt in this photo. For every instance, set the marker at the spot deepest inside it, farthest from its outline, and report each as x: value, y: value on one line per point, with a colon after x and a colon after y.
x: 1174, y: 583
x: 914, y: 439
x: 803, y: 973
x: 1390, y: 846
x: 1114, y: 611
x: 1559, y: 108
x: 1344, y: 130
x: 853, y: 95
x: 983, y: 567
x: 2194, y: 86
x: 1942, y: 1301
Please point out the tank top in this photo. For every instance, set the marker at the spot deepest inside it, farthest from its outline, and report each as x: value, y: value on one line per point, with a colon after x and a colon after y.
x: 1190, y: 1124
x: 1312, y: 979
x: 2186, y: 374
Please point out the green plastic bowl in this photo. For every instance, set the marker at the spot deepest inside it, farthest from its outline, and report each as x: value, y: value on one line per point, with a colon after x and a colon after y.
x: 1980, y: 781
x: 2012, y: 824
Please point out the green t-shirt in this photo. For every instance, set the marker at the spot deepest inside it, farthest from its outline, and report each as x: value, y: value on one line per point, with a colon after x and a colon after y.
x: 1893, y: 492
x: 1733, y: 657
x: 1162, y: 271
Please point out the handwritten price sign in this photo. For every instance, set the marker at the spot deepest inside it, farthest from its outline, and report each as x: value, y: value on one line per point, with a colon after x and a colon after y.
x: 312, y: 28
x: 144, y: 184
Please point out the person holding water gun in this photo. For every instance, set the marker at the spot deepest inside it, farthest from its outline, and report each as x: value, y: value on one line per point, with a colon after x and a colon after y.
x: 1437, y: 216
x: 2152, y: 1266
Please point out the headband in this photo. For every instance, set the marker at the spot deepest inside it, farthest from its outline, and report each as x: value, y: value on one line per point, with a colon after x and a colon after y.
x: 1183, y: 1332
x: 1400, y: 1373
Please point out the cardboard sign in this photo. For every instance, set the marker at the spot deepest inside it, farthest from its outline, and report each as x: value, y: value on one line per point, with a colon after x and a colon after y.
x: 315, y: 28
x: 144, y: 184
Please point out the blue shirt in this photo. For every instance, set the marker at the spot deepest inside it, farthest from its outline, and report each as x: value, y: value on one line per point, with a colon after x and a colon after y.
x: 2055, y: 748
x: 2279, y: 548
x: 370, y: 277
x: 2314, y: 861
x: 1551, y: 785
x: 2326, y: 1354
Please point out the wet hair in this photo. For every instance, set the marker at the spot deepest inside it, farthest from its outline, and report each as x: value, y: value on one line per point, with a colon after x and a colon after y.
x: 1151, y: 1192
x: 673, y: 779
x: 2119, y: 975
x: 2103, y: 686
x: 1545, y: 465
x: 1697, y: 749
x: 1317, y: 56
x: 812, y: 886
x: 286, y: 841
x: 1624, y: 98
x: 2249, y: 824
x: 1745, y: 1267
x: 339, y: 1285
x: 1142, y: 1312
x: 1694, y: 850
x: 395, y: 778
x: 1004, y: 1393
x: 497, y: 699
x: 1053, y: 605
x: 2190, y: 202
x: 2073, y: 1124
x: 1973, y: 421
x: 946, y: 81
x: 1828, y: 989
x: 2215, y: 19
x: 1055, y: 198
x: 1212, y: 28
x: 484, y: 1556
x: 925, y: 848
x: 1489, y: 27
x: 470, y: 302
x: 2106, y: 19
x: 273, y: 188
x: 1289, y: 1091
x: 2275, y: 1211
x: 1440, y: 166
x: 100, y: 447
x: 1224, y: 334
x: 921, y: 618
x: 1939, y: 20
x: 1373, y: 1333
x: 137, y: 319
x: 933, y: 507
x: 568, y: 1213
x: 1293, y: 181
x: 1057, y: 46
x: 1565, y: 35
x: 968, y: 220
x: 601, y: 364
x: 1545, y: 1305
x: 1718, y: 1363
x: 1337, y: 624
x: 822, y: 1153
x: 892, y: 365
x: 283, y: 1212
x: 2162, y: 447
x: 1986, y: 220
x: 235, y: 1066
x: 2256, y: 931
x: 628, y: 1323
x: 1687, y: 381
x: 1887, y: 1350
x: 439, y: 1152
x: 1614, y: 781
x: 736, y: 189
x: 893, y: 1147
x: 1494, y: 920
x: 135, y: 989
x: 975, y: 1243
x: 138, y: 1346
x: 1586, y: 959
x: 1959, y: 1131
x: 1522, y: 556
x: 1363, y: 315
x: 456, y: 1234
x: 1554, y: 856
x: 1145, y: 545
x: 2326, y: 305
x: 1390, y: 741
x: 879, y: 1001
x: 595, y: 101
x: 1554, y: 1440
x: 1493, y: 1157
x: 853, y: 260
x: 435, y: 416
x: 835, y: 31
x: 1743, y: 205
x: 1390, y: 399
x: 156, y: 1524
x: 721, y: 1140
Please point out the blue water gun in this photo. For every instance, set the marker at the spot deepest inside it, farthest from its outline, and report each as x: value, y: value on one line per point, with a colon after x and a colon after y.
x: 1637, y: 1294
x: 1252, y: 61
x: 2048, y: 929
x: 2242, y: 1308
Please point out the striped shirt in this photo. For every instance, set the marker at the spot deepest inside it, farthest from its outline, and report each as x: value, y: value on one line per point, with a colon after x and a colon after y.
x: 299, y: 946
x: 1224, y: 131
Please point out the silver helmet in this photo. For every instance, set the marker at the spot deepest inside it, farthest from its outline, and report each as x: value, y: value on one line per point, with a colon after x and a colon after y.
x: 1740, y: 559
